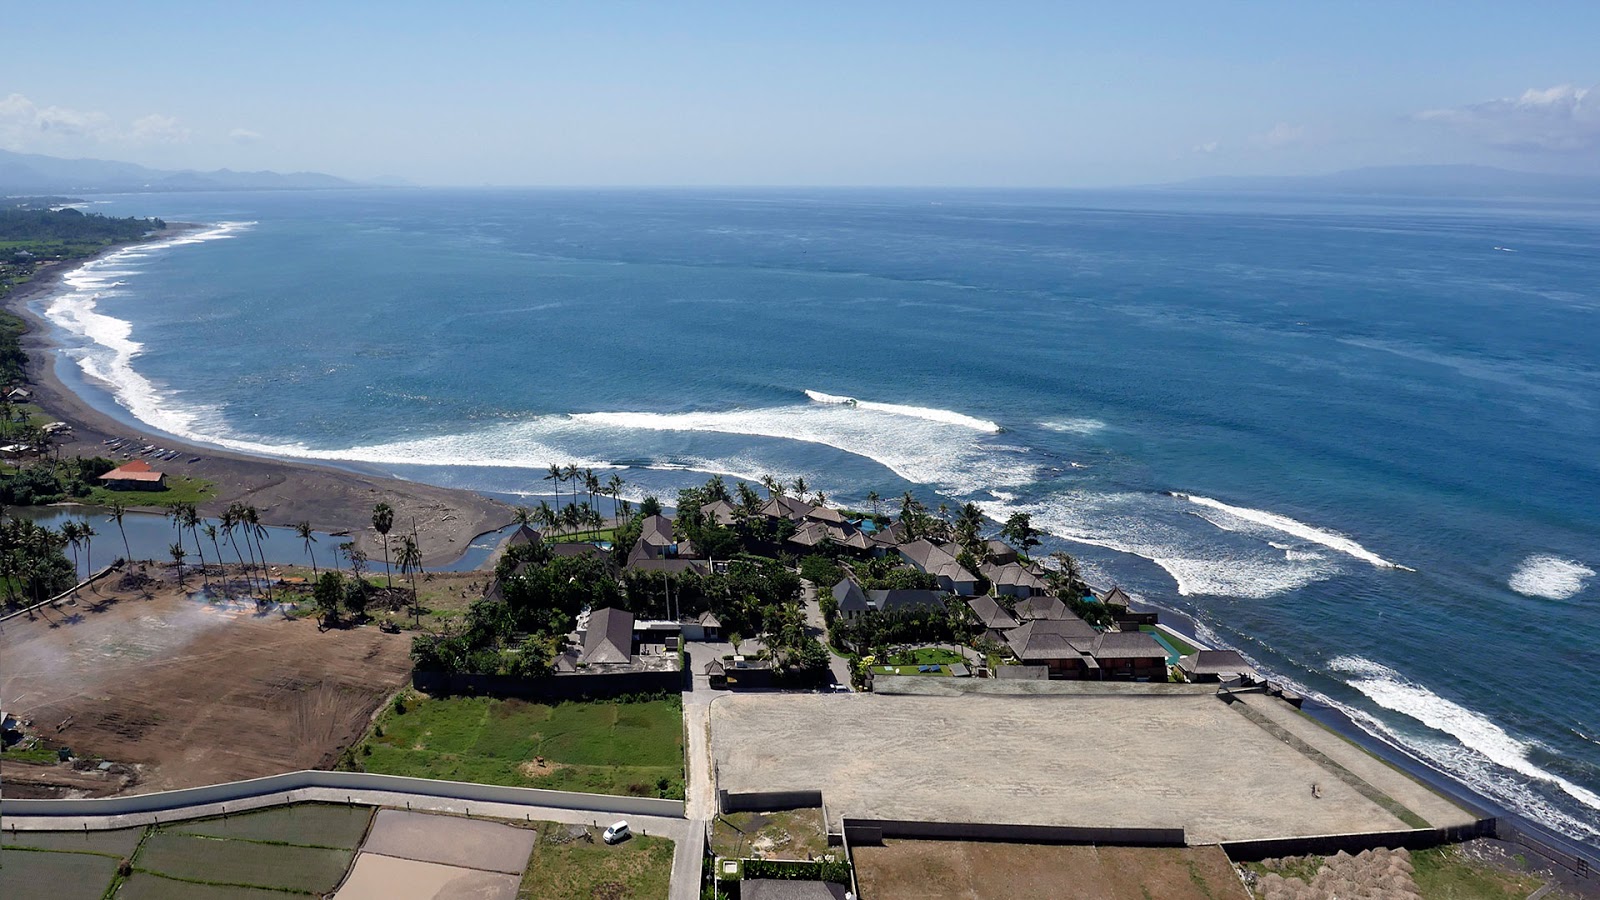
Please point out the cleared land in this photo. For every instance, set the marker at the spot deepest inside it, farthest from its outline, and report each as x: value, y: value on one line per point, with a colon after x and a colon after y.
x: 639, y: 868
x: 450, y: 841
x: 789, y: 834
x: 1147, y: 761
x: 597, y: 748
x: 962, y: 870
x: 378, y: 877
x: 192, y: 692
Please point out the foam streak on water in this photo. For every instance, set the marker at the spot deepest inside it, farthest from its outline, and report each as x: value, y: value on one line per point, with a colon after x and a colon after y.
x: 1475, y: 732
x: 943, y: 416
x: 1552, y: 577
x: 1300, y: 530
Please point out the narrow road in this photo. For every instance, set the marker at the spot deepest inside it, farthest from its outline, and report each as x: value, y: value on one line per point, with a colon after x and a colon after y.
x: 817, y: 627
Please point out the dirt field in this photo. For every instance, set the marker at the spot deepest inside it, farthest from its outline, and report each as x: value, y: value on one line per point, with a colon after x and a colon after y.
x: 960, y: 870
x: 1125, y: 761
x: 190, y: 693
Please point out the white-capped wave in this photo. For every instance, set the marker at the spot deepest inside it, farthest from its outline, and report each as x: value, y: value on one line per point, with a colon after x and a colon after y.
x: 920, y: 449
x: 1329, y: 539
x: 1074, y: 426
x: 1157, y: 528
x: 109, y: 349
x: 1476, y: 732
x: 1552, y: 577
x: 945, y: 416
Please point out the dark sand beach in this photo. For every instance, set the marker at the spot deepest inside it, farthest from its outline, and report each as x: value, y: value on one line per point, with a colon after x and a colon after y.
x: 284, y: 492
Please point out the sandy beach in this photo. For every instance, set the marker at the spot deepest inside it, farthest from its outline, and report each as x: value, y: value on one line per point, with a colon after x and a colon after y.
x: 284, y: 492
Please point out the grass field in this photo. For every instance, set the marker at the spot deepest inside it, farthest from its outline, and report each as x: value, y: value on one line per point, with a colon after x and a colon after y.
x: 896, y: 663
x: 117, y: 844
x: 1444, y: 873
x: 791, y: 834
x: 640, y: 867
x: 596, y: 748
x: 145, y: 886
x: 180, y: 489
x: 207, y: 860
x: 48, y: 875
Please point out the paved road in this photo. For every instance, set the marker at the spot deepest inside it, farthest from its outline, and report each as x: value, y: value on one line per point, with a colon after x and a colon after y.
x: 688, y: 836
x: 817, y: 627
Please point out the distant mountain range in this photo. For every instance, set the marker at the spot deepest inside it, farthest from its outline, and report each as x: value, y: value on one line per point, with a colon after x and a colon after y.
x: 1429, y: 181
x: 22, y: 173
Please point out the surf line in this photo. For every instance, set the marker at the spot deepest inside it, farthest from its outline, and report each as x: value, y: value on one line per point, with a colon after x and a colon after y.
x: 1330, y: 539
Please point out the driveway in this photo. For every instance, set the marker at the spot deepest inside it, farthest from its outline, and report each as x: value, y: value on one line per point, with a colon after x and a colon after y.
x: 817, y: 627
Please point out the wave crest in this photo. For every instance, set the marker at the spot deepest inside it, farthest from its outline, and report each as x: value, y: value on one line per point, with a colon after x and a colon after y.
x: 1329, y: 539
x: 1551, y: 577
x: 943, y: 416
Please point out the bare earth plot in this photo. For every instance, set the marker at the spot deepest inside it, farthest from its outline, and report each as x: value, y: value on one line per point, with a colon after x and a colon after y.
x: 415, y: 856
x: 1088, y: 761
x: 964, y: 870
x: 195, y: 693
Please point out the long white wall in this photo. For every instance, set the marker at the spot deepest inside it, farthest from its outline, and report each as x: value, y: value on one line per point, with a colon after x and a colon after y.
x: 234, y: 791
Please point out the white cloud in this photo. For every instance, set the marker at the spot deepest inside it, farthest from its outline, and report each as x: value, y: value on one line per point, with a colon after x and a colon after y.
x: 25, y: 125
x: 1207, y: 147
x: 1280, y: 135
x: 158, y: 129
x: 1564, y: 119
x: 244, y: 136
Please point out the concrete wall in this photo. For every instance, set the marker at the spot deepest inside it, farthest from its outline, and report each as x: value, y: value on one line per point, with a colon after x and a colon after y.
x: 351, y: 781
x: 873, y: 831
x: 557, y: 687
x: 1329, y: 844
x: 767, y: 801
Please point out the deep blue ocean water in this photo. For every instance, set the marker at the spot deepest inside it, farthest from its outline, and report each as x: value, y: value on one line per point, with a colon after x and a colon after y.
x: 1354, y: 438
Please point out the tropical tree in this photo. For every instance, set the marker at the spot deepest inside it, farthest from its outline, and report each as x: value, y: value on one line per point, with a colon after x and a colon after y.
x: 382, y: 522
x: 118, y: 509
x: 210, y: 531
x: 800, y: 486
x: 328, y: 593
x: 410, y: 560
x: 254, y: 528
x: 303, y: 529
x: 555, y: 476
x: 230, y: 525
x: 189, y: 517
x: 522, y: 515
x: 969, y: 528
x: 69, y: 531
x: 86, y: 534
x: 614, y: 488
x: 178, y: 556
x: 1020, y: 532
x: 875, y: 501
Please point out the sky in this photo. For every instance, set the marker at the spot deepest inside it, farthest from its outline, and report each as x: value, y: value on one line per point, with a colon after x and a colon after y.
x: 817, y: 93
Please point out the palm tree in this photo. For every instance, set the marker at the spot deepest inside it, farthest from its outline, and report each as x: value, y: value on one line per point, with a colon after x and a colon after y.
x: 230, y: 524
x: 555, y: 476
x: 547, y: 516
x: 86, y: 534
x: 614, y: 487
x: 410, y: 560
x: 259, y: 532
x: 591, y: 484
x: 69, y: 530
x: 522, y: 516
x: 211, y: 534
x: 118, y: 509
x: 800, y: 486
x: 178, y: 554
x: 382, y: 521
x: 875, y: 500
x: 189, y: 517
x: 303, y: 529
x: 774, y: 487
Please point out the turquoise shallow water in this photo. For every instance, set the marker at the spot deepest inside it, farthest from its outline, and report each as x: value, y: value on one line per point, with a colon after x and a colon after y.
x: 1354, y: 438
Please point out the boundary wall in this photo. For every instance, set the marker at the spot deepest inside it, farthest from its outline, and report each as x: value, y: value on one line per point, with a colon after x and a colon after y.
x: 321, y: 785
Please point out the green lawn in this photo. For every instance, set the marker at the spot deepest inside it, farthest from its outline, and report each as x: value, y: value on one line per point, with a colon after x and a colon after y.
x: 1179, y: 644
x: 897, y: 663
x: 1443, y: 873
x: 180, y: 489
x: 596, y: 748
x: 640, y: 867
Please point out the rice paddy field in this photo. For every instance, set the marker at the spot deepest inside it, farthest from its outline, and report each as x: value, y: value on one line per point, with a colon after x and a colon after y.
x: 608, y: 747
x: 277, y: 853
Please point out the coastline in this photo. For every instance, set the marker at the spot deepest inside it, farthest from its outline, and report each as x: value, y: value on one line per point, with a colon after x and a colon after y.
x: 285, y: 492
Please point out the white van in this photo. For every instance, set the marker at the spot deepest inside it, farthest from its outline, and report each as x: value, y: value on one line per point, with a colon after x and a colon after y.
x: 617, y: 833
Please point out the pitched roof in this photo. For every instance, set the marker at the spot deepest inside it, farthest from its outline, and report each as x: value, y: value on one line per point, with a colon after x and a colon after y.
x: 903, y: 598
x: 1052, y: 639
x: 523, y: 535
x: 1000, y: 551
x: 826, y: 514
x: 136, y: 470
x: 708, y: 619
x: 850, y: 596
x: 1042, y: 607
x: 785, y: 508
x: 609, y: 638
x: 657, y: 531
x: 721, y: 511
x: 935, y: 560
x: 1127, y: 645
x: 1013, y: 574
x: 990, y: 613
x: 1216, y: 662
x: 1117, y: 597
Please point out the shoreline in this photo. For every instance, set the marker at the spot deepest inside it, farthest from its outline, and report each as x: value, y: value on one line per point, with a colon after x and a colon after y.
x: 286, y: 492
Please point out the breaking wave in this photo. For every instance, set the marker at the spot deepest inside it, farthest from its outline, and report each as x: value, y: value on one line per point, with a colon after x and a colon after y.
x: 1329, y: 539
x: 943, y: 416
x: 1551, y: 577
x: 1480, y: 740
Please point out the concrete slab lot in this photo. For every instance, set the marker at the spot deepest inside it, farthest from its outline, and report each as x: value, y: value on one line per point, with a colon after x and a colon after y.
x: 1162, y: 762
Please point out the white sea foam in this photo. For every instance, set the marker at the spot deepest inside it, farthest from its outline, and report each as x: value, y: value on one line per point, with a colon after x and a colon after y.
x: 922, y: 449
x: 1329, y: 539
x: 1074, y: 426
x: 1156, y: 527
x: 109, y: 349
x: 1476, y: 732
x: 1542, y: 575
x: 943, y: 416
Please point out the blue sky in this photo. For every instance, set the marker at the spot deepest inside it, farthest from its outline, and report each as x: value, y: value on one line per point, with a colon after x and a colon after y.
x: 817, y: 93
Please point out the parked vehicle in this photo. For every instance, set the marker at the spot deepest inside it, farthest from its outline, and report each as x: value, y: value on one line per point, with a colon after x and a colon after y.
x: 617, y: 833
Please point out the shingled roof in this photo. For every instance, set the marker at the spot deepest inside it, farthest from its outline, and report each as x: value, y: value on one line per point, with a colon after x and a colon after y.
x: 609, y: 638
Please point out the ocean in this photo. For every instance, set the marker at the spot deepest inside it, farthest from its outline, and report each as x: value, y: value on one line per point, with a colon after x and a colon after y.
x: 1354, y: 438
